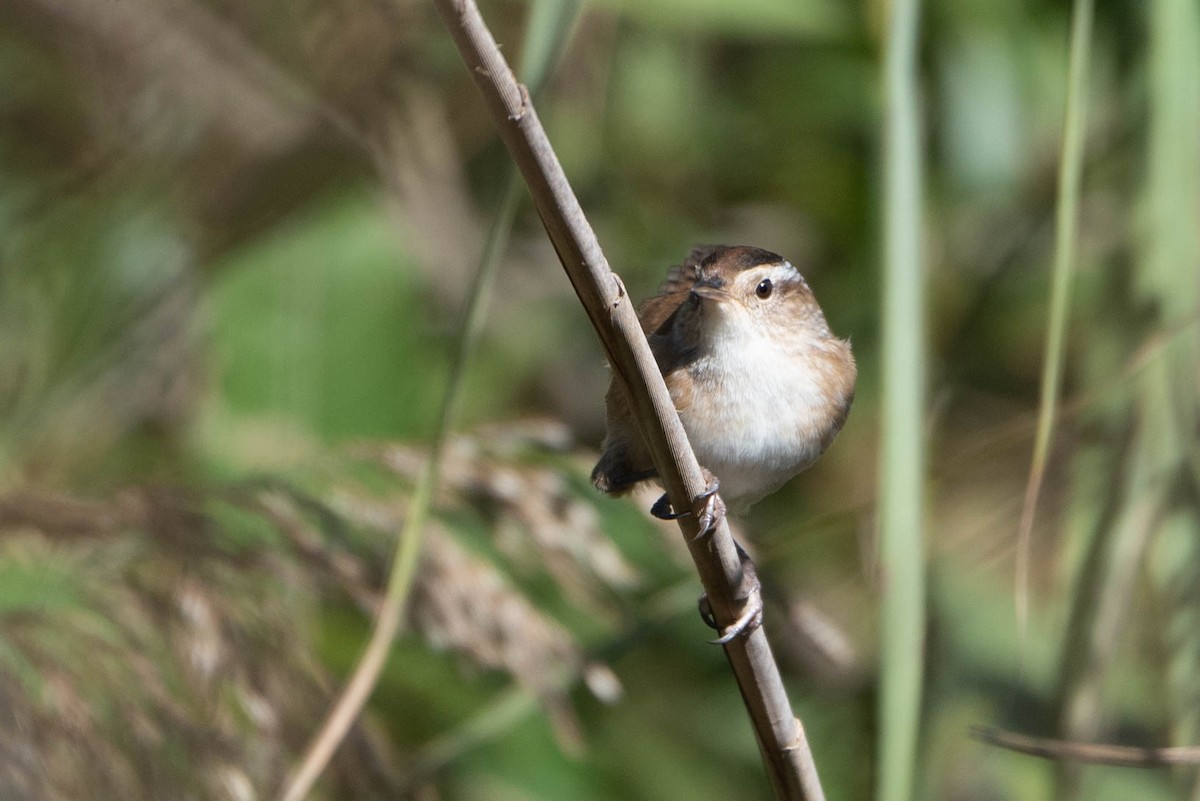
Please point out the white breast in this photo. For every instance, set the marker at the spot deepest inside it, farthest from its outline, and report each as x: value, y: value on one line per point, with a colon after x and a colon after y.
x: 758, y: 411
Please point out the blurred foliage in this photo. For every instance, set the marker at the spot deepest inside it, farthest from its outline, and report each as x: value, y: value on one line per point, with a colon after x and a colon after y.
x: 234, y: 239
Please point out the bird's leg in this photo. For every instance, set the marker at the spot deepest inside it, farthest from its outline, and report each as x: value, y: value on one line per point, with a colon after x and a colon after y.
x: 713, y: 509
x: 749, y: 593
x: 709, y: 509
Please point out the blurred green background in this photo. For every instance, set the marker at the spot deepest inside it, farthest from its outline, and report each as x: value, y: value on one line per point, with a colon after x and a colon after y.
x: 235, y: 241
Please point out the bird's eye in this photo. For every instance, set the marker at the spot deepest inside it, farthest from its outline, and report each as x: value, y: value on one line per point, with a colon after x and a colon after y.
x: 764, y: 288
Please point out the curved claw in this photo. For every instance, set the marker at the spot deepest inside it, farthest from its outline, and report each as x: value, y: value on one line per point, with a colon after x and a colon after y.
x: 663, y: 511
x: 713, y: 511
x: 748, y: 622
x: 749, y: 591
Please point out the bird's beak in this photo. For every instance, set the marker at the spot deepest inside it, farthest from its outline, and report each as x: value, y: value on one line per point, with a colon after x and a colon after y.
x: 711, y: 288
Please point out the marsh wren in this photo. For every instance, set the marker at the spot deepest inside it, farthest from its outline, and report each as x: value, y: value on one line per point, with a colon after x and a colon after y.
x: 761, y: 384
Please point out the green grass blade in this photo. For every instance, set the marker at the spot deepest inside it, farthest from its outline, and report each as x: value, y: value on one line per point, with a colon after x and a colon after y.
x: 1066, y: 232
x: 549, y: 18
x: 547, y: 28
x: 901, y: 506
x: 1169, y: 278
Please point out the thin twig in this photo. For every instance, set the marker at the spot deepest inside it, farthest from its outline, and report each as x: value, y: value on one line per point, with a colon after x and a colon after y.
x: 1128, y: 756
x: 781, y: 739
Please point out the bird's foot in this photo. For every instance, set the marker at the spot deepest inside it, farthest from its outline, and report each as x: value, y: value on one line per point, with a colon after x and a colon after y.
x: 711, y: 508
x: 750, y: 593
x: 750, y: 619
x: 663, y: 511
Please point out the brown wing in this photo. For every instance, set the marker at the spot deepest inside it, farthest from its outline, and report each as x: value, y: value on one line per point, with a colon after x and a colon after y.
x: 624, y: 461
x: 682, y: 276
x: 674, y: 289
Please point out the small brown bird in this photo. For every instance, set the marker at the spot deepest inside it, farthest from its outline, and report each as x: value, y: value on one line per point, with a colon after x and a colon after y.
x: 761, y: 384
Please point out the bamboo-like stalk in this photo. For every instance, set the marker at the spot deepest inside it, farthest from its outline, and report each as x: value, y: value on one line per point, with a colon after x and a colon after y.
x: 1169, y: 263
x: 781, y: 738
x: 901, y: 501
x: 549, y: 21
x: 1168, y: 243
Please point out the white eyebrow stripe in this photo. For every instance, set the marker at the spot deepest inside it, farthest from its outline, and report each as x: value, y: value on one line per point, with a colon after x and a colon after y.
x: 782, y: 273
